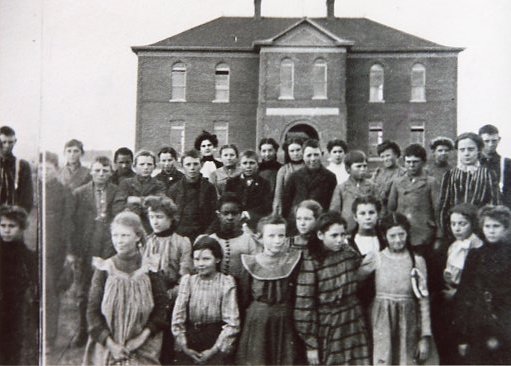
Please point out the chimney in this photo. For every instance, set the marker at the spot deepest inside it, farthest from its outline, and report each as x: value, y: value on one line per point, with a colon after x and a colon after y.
x: 257, y: 9
x: 330, y: 9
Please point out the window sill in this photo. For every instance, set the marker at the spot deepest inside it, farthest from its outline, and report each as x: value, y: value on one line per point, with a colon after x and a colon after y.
x: 286, y: 98
x: 177, y: 100
x: 418, y: 101
x: 377, y: 101
x: 219, y: 101
x: 319, y: 98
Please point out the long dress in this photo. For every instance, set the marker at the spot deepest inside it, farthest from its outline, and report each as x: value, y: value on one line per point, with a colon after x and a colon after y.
x: 127, y: 303
x: 268, y: 336
x: 327, y: 313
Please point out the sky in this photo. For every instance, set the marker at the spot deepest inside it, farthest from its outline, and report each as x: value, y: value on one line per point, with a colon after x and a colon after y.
x: 67, y: 69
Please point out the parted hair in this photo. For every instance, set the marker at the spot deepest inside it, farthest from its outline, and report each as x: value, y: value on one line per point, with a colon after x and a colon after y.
x: 130, y: 219
x: 270, y: 220
x: 161, y: 203
x: 16, y: 214
x: 470, y: 136
x: 144, y: 153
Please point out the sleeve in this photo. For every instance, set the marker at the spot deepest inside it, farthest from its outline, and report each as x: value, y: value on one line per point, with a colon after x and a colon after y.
x: 279, y: 188
x: 97, y: 325
x: 67, y: 224
x: 253, y: 246
x: 212, y: 199
x: 158, y: 318
x: 185, y: 262
x: 120, y: 198
x: 305, y: 312
x: 180, y: 313
x: 25, y: 187
x: 494, y: 188
x: 434, y: 192
x: 336, y: 202
x: 444, y: 202
x: 264, y: 198
x: 392, y: 202
x: 74, y: 234
x: 160, y: 188
x: 213, y: 181
x: 368, y: 266
x: 288, y: 194
x: 425, y: 314
x: 230, y: 317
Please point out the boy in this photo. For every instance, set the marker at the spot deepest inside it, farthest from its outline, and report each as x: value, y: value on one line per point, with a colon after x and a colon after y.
x: 169, y: 174
x: 92, y: 215
x: 357, y: 185
x: 389, y: 152
x: 440, y: 148
x: 415, y: 196
x: 73, y: 174
x: 123, y: 160
x: 337, y: 150
x: 253, y: 190
x: 269, y: 166
x: 195, y: 198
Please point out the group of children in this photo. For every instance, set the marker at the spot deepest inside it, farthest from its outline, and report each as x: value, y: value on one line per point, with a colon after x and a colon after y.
x: 263, y: 263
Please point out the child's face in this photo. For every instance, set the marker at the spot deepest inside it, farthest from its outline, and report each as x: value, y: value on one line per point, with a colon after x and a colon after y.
x: 10, y: 230
x: 274, y: 238
x: 123, y: 164
x: 229, y: 157
x: 366, y: 216
x: 494, y: 231
x: 460, y: 226
x: 191, y: 166
x: 159, y: 220
x: 468, y: 152
x: 396, y: 237
x: 337, y: 155
x: 312, y: 157
x: 441, y: 154
x: 100, y: 173
x: 166, y: 161
x: 205, y: 262
x: 490, y: 143
x: 334, y: 238
x: 124, y: 239
x: 249, y: 166
x: 413, y: 165
x: 295, y: 152
x: 358, y: 170
x: 305, y: 220
x: 206, y: 148
x: 389, y: 158
x: 144, y: 166
x: 229, y: 216
x: 268, y: 153
x: 72, y: 154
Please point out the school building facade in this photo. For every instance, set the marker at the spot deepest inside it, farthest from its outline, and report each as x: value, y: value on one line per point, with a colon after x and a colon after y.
x: 245, y: 78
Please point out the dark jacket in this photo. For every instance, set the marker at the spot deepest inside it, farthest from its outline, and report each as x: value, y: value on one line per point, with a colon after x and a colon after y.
x: 169, y: 179
x: 501, y: 168
x: 139, y: 187
x: 20, y: 176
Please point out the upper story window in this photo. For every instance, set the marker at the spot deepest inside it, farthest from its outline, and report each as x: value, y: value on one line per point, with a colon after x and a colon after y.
x: 287, y: 70
x: 222, y: 83
x: 178, y: 82
x: 376, y: 83
x: 319, y: 79
x: 418, y: 81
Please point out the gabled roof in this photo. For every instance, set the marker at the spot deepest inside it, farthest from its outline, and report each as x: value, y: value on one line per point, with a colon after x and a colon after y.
x: 243, y: 34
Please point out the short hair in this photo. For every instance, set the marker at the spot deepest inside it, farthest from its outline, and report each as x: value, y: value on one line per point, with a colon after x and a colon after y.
x: 206, y: 242
x: 289, y: 142
x: 230, y: 146
x: 130, y: 219
x: 327, y: 219
x: 441, y: 141
x: 416, y: 150
x: 144, y: 153
x: 270, y: 220
x: 161, y: 203
x: 103, y: 160
x: 488, y: 129
x: 50, y: 158
x: 337, y: 142
x: 498, y: 213
x: 312, y: 205
x: 16, y: 214
x: 75, y: 143
x: 229, y: 197
x: 470, y: 136
x: 249, y: 154
x: 468, y: 211
x: 311, y: 143
x: 168, y: 150
x: 392, y: 220
x: 354, y: 156
x: 366, y: 200
x: 386, y: 145
x: 7, y: 131
x: 205, y: 135
x: 190, y: 154
x: 123, y: 151
x: 268, y: 141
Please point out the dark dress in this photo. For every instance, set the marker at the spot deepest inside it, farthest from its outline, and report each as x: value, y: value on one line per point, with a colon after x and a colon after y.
x: 268, y: 336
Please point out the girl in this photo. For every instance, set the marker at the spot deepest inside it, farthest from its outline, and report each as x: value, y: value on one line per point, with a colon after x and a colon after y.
x: 127, y: 306
x: 229, y: 156
x: 400, y: 322
x: 205, y: 320
x: 306, y: 214
x: 327, y: 311
x: 293, y: 156
x: 206, y: 143
x: 267, y: 292
x: 483, y: 300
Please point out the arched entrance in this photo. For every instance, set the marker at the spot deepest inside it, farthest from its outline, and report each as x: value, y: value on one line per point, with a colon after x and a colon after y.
x: 301, y: 130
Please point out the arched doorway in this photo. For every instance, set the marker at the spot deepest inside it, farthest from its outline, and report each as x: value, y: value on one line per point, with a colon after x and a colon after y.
x: 301, y: 130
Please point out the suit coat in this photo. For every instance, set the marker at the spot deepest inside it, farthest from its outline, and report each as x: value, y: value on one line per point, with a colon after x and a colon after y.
x: 91, y: 235
x: 139, y: 187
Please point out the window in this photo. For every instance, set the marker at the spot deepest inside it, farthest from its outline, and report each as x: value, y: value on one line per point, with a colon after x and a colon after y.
x: 221, y: 130
x: 286, y: 79
x: 177, y: 136
x: 222, y: 83
x: 319, y: 79
x: 179, y: 82
x: 375, y: 137
x: 418, y: 83
x: 417, y: 133
x: 376, y: 83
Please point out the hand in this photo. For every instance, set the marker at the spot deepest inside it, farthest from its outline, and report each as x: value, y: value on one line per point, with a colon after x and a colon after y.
x: 207, y: 354
x: 462, y: 349
x: 70, y: 260
x: 194, y: 355
x: 449, y: 293
x: 136, y: 342
x: 245, y: 215
x: 313, y: 357
x: 134, y: 199
x: 118, y: 352
x: 422, y: 353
